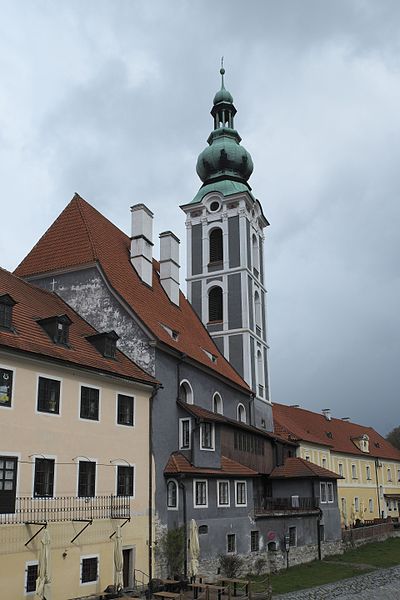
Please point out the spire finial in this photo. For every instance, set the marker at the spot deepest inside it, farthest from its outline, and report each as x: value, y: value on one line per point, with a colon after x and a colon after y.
x: 222, y: 71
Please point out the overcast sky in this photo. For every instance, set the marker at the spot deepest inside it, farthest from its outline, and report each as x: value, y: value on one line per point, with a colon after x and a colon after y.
x: 111, y: 99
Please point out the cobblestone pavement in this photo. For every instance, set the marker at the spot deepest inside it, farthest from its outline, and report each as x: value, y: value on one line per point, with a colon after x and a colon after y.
x: 380, y: 584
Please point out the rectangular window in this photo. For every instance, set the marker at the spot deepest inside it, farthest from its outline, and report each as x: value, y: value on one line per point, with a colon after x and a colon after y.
x: 356, y: 504
x: 295, y: 502
x: 398, y: 474
x: 5, y: 314
x: 254, y: 541
x: 231, y: 543
x: 89, y: 403
x: 241, y: 493
x: 322, y: 532
x: 341, y: 469
x: 200, y: 493
x: 89, y: 569
x: 329, y: 489
x: 207, y: 436
x: 353, y: 471
x: 292, y: 536
x: 389, y: 474
x: 184, y: 434
x: 31, y: 573
x: 223, y: 493
x: 6, y: 381
x: 324, y: 463
x: 368, y: 472
x: 323, y: 492
x: 48, y: 395
x: 43, y: 486
x: 8, y: 483
x: 125, y: 410
x: 87, y: 479
x: 125, y: 480
x: 371, y: 505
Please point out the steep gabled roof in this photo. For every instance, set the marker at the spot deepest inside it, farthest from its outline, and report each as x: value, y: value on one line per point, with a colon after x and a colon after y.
x: 28, y: 336
x: 82, y: 236
x: 305, y: 425
x: 298, y: 467
x: 178, y: 463
x: 207, y: 415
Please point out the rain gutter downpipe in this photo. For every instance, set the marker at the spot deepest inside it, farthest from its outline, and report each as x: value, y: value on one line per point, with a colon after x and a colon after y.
x: 185, y: 537
x: 377, y: 487
x: 150, y: 458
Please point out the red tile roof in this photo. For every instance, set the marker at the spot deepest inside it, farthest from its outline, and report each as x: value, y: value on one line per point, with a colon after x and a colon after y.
x: 83, y: 236
x: 208, y: 415
x: 298, y: 467
x: 33, y: 303
x: 308, y: 426
x: 178, y: 463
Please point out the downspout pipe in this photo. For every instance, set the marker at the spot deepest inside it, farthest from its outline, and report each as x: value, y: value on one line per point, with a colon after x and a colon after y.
x: 319, y: 517
x: 185, y: 535
x: 377, y: 487
x: 150, y: 458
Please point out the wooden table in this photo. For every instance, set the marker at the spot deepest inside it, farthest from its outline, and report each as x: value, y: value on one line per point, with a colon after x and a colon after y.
x: 235, y: 582
x: 171, y: 582
x: 166, y: 595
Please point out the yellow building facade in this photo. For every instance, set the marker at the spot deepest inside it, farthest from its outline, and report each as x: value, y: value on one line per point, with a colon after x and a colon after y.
x: 74, y: 459
x: 369, y: 466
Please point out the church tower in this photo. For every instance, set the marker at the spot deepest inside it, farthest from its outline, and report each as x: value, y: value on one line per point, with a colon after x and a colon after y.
x: 225, y: 266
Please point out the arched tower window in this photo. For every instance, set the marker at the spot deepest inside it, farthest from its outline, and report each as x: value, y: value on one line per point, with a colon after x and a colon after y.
x: 255, y: 256
x: 257, y: 306
x: 215, y: 310
x: 241, y: 413
x: 260, y: 374
x: 186, y: 392
x: 217, y: 404
x: 216, y: 246
x: 172, y: 494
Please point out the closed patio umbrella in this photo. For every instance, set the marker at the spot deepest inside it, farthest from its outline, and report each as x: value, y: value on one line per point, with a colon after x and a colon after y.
x: 43, y: 580
x: 194, y: 548
x: 118, y: 560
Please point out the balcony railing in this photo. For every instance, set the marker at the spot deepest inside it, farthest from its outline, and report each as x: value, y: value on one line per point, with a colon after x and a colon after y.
x: 67, y: 508
x: 296, y: 504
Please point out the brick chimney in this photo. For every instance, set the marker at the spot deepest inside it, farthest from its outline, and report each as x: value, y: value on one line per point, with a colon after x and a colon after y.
x: 142, y: 242
x: 169, y: 265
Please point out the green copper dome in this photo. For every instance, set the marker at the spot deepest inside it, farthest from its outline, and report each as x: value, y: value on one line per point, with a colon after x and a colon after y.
x: 224, y: 157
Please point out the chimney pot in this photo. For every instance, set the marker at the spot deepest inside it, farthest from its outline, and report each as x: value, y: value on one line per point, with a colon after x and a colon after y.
x: 142, y: 242
x: 327, y: 413
x: 169, y: 265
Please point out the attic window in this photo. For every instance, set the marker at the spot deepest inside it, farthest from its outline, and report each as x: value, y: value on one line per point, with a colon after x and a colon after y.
x: 6, y: 307
x: 377, y: 445
x: 211, y: 356
x: 172, y: 332
x: 329, y: 434
x: 57, y: 328
x: 105, y: 343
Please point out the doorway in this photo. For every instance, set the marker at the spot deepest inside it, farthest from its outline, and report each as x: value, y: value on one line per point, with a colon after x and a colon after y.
x: 128, y: 555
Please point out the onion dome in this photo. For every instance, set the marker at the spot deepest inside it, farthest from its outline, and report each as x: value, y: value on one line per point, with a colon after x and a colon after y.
x: 224, y: 157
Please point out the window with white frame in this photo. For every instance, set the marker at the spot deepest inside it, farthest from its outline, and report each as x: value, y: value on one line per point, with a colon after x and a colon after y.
x: 295, y: 500
x: 186, y: 392
x: 207, y: 436
x: 89, y: 569
x: 216, y: 245
x: 125, y: 410
x: 125, y: 480
x: 254, y: 541
x: 217, y: 404
x: 323, y: 464
x: 389, y: 474
x: 354, y: 471
x: 356, y: 504
x: 200, y: 493
x: 86, y: 478
x: 223, y: 497
x: 340, y: 469
x: 241, y: 413
x: 371, y: 505
x: 184, y: 434
x: 398, y: 474
x: 257, y: 310
x: 172, y: 495
x: 240, y: 493
x: 368, y: 472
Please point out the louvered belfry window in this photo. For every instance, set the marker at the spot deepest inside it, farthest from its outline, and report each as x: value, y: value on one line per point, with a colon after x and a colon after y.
x: 215, y: 312
x: 216, y: 246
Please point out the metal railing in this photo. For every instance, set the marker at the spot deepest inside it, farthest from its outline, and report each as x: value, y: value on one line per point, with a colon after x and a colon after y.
x: 67, y: 508
x: 295, y: 503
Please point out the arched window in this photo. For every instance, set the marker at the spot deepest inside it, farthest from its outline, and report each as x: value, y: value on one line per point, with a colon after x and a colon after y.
x: 241, y: 413
x: 257, y: 307
x: 215, y: 311
x: 217, y: 404
x: 172, y: 494
x: 255, y: 256
x: 260, y: 374
x: 186, y: 392
x: 216, y: 246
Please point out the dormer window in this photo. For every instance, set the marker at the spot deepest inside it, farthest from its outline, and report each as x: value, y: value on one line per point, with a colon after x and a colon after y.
x: 57, y: 328
x: 105, y: 343
x: 6, y: 307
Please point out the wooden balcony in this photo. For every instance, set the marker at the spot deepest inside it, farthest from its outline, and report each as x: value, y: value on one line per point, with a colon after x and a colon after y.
x: 294, y: 505
x: 67, y: 508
